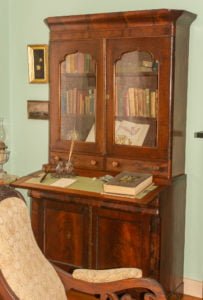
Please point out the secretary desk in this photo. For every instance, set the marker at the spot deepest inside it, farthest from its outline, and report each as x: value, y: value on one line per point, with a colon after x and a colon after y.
x: 118, y: 89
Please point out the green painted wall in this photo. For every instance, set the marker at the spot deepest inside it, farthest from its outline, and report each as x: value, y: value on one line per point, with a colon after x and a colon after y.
x: 28, y: 139
x: 4, y: 69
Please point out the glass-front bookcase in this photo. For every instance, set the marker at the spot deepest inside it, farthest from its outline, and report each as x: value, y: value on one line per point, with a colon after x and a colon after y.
x: 119, y: 92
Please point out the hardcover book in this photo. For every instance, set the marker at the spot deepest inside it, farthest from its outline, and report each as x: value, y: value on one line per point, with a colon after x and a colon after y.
x: 128, y: 183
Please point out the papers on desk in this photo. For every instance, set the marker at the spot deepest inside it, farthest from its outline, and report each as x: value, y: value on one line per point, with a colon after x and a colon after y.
x: 63, y: 182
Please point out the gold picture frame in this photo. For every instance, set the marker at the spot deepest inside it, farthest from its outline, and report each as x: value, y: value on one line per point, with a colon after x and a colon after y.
x: 38, y: 109
x: 38, y: 63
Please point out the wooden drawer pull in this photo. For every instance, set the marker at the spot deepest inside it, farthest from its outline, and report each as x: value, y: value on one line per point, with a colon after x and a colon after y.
x: 93, y: 162
x: 56, y: 158
x: 115, y: 164
x: 68, y: 236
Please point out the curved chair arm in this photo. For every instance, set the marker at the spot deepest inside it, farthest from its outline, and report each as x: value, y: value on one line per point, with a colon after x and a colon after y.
x: 6, y: 191
x: 5, y: 291
x: 111, y: 290
x: 106, y: 275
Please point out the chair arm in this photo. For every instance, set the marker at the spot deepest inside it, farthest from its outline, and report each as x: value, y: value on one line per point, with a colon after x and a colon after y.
x: 107, y: 275
x: 5, y: 290
x: 109, y: 290
x: 6, y: 192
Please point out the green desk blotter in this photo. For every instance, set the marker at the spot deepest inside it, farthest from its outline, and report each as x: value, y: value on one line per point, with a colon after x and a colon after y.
x: 86, y: 184
x: 81, y: 183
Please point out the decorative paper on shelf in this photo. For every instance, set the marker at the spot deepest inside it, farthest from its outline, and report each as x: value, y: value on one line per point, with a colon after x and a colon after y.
x: 130, y: 133
x: 91, y: 135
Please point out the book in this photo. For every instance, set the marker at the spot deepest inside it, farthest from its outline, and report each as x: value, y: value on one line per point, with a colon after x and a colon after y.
x: 128, y: 183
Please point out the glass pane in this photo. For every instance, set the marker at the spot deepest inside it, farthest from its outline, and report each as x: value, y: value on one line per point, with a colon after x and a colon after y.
x: 78, y: 97
x: 136, y: 99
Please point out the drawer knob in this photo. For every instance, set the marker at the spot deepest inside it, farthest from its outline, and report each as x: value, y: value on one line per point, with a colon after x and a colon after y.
x: 93, y: 162
x: 115, y: 164
x: 56, y: 158
x: 68, y: 236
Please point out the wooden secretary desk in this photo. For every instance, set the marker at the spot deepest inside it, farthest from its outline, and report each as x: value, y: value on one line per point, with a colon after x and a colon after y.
x: 118, y: 84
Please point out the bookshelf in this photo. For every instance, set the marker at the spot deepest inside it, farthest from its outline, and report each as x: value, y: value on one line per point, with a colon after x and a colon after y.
x: 118, y: 84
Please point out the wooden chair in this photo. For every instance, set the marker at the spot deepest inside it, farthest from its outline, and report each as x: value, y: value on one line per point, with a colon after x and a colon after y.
x: 26, y: 274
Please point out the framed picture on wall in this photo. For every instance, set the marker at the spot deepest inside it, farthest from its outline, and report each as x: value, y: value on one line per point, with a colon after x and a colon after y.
x: 38, y: 63
x: 37, y: 109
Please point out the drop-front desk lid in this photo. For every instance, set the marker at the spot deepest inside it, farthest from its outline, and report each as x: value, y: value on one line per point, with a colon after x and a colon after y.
x: 83, y: 186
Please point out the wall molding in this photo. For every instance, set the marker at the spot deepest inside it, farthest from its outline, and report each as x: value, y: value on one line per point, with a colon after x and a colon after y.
x: 193, y: 288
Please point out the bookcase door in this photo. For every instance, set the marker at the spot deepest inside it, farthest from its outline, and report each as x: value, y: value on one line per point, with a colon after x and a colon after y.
x: 138, y: 86
x: 124, y: 239
x: 76, y: 107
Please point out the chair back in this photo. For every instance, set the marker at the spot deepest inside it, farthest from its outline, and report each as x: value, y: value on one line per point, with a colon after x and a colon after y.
x: 25, y: 272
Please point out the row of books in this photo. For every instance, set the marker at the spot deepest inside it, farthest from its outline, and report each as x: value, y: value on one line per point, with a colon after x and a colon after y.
x: 137, y: 102
x: 76, y: 101
x: 78, y: 63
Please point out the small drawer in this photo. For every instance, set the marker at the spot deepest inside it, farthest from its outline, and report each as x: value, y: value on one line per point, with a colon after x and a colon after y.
x: 88, y: 162
x: 118, y: 165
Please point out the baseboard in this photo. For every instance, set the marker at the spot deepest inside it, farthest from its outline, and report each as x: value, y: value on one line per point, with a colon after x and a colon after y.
x: 193, y: 288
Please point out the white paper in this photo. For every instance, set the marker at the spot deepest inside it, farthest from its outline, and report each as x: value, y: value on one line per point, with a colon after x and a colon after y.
x: 91, y: 135
x: 63, y: 182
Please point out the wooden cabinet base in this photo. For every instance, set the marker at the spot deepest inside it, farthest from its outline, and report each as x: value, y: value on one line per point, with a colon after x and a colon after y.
x: 76, y: 229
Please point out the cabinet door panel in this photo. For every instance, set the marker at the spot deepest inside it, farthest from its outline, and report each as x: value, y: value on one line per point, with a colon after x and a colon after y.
x: 125, y: 240
x: 66, y: 229
x: 77, y: 108
x: 138, y: 86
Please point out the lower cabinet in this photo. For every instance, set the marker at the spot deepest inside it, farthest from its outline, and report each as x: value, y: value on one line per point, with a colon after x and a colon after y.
x: 78, y: 231
x: 62, y: 231
x: 63, y: 223
x: 75, y: 235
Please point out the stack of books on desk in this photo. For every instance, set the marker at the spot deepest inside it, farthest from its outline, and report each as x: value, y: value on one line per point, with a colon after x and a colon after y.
x: 128, y: 183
